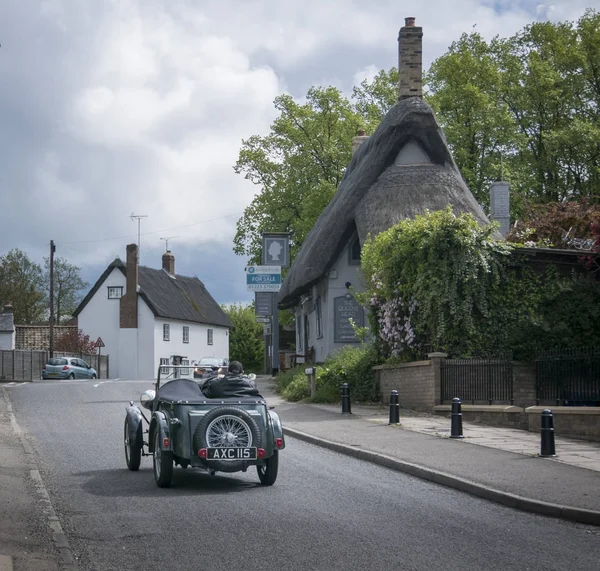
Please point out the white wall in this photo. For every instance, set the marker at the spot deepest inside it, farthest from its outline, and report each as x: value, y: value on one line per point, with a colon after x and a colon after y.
x: 128, y: 355
x: 7, y: 340
x: 196, y: 348
x: 330, y: 287
x: 147, y: 365
x: 100, y: 318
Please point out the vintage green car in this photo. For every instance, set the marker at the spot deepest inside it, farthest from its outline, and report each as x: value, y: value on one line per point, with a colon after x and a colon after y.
x: 216, y: 435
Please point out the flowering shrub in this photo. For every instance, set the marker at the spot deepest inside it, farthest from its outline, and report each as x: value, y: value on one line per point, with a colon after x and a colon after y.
x: 430, y: 281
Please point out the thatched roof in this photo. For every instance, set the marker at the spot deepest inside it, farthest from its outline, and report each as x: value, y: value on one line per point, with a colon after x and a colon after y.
x: 376, y: 192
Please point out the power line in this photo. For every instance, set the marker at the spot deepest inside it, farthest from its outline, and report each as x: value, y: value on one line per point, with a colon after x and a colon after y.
x: 153, y: 231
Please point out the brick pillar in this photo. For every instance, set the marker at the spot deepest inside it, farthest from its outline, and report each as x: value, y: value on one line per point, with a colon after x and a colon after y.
x: 436, y: 362
x: 410, y: 60
x: 128, y: 308
x: 168, y: 263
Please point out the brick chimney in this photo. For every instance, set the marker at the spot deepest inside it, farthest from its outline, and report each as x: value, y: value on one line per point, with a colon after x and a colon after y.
x: 168, y: 263
x: 128, y: 308
x: 410, y: 60
x: 360, y: 138
x: 500, y: 205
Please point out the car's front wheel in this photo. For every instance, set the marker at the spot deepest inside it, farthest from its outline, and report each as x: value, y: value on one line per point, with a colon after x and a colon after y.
x: 133, y: 449
x: 93, y: 375
x: 267, y: 474
x: 162, y: 462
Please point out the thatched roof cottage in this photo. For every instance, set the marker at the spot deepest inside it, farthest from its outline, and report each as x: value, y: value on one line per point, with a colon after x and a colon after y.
x: 404, y: 168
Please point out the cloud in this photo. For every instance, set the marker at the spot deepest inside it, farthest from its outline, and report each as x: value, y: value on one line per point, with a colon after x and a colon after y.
x: 140, y: 106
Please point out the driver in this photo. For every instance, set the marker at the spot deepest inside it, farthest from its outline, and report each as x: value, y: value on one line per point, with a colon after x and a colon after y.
x: 233, y: 384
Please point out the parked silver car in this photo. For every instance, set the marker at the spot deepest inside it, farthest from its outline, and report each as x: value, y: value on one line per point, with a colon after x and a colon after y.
x: 68, y: 368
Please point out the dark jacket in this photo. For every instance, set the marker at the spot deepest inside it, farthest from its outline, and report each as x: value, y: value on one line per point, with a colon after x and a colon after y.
x: 230, y: 386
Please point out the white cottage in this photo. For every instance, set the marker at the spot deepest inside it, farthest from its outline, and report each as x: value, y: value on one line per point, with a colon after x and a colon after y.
x: 148, y: 317
x: 402, y: 170
x: 7, y: 328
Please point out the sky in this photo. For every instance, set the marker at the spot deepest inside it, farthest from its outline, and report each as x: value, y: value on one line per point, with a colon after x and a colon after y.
x: 114, y: 108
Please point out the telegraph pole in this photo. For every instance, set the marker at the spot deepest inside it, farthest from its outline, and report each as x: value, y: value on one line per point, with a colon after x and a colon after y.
x: 51, y: 321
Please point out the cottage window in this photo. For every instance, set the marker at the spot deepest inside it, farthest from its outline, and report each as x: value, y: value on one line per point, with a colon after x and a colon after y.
x: 354, y: 252
x: 185, y: 372
x: 166, y: 332
x: 164, y: 369
x: 186, y: 334
x: 299, y: 335
x: 115, y: 292
x: 209, y: 336
x: 319, y: 319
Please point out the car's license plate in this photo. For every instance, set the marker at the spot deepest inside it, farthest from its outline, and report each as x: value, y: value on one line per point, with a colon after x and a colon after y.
x: 231, y: 454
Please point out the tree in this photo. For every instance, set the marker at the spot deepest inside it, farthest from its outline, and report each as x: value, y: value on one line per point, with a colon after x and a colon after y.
x: 462, y: 90
x: 21, y: 284
x: 75, y: 341
x: 298, y: 167
x: 68, y: 287
x: 372, y: 100
x: 246, y: 340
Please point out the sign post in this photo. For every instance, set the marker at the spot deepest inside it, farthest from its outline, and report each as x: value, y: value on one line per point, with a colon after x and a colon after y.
x: 99, y: 343
x: 275, y: 252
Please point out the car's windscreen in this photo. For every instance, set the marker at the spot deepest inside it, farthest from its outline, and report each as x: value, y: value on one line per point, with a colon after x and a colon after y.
x: 57, y: 362
x: 209, y: 363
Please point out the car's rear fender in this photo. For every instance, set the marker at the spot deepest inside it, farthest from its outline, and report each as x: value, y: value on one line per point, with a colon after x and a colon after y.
x: 159, y: 422
x: 277, y: 427
x: 134, y: 420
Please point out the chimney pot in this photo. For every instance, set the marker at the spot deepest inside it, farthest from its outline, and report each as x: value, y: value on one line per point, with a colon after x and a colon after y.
x: 8, y: 308
x: 409, y: 22
x: 361, y: 133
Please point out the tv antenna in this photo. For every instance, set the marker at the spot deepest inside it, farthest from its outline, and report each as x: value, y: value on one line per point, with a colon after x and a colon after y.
x: 138, y: 217
x: 166, y: 239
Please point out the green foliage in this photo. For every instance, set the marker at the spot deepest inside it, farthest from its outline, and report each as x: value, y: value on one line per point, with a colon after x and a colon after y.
x: 21, y: 283
x: 298, y: 166
x: 352, y: 365
x: 246, y: 340
x: 441, y: 280
x: 430, y: 280
x: 69, y: 288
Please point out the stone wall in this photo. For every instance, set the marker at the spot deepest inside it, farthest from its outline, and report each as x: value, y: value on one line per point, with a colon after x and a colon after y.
x: 415, y: 383
x: 37, y: 337
x: 581, y: 422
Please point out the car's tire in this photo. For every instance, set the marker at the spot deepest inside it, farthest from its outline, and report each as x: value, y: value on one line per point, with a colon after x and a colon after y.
x: 267, y: 474
x: 94, y: 376
x: 133, y: 450
x: 72, y: 376
x: 162, y: 463
x: 213, y: 423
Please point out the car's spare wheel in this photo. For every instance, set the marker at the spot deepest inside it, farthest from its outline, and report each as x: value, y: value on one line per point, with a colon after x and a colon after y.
x: 227, y: 427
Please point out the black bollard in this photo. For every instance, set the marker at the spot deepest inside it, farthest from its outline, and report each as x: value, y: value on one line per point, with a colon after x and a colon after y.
x: 394, y: 408
x: 346, y: 408
x: 456, y: 430
x: 547, y: 433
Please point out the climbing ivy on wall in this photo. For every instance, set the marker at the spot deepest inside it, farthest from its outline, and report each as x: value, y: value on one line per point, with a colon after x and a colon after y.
x: 443, y: 282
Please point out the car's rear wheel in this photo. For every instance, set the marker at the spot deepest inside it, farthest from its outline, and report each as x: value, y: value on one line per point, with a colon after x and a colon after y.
x: 227, y: 427
x: 162, y: 462
x: 72, y: 376
x: 267, y: 474
x: 133, y: 449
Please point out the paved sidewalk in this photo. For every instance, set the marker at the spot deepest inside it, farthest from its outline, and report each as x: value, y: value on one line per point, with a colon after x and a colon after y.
x: 498, y: 464
x: 26, y: 541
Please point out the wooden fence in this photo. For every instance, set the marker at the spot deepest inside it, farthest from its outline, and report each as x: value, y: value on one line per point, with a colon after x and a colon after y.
x: 27, y: 365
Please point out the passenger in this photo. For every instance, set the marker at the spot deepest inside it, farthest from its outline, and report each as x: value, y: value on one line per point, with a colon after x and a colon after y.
x: 233, y: 384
